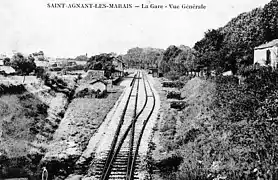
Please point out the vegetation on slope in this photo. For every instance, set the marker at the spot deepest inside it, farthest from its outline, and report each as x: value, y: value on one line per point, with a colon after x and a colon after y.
x: 21, y: 117
x: 231, y: 47
x: 80, y: 123
x: 227, y: 129
x: 29, y: 115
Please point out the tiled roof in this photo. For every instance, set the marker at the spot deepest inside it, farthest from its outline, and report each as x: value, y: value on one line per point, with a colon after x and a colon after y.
x: 98, y: 80
x: 7, y: 69
x: 268, y: 44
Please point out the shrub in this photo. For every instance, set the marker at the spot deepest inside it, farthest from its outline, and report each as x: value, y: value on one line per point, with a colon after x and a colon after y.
x: 11, y: 89
x: 178, y: 105
x: 83, y: 93
x: 173, y: 95
x: 172, y: 84
x: 169, y: 164
x: 42, y: 108
x: 40, y: 72
x: 172, y: 75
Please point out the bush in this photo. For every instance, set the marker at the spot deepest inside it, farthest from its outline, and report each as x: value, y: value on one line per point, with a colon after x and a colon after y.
x: 178, y: 105
x: 172, y: 75
x: 169, y: 164
x: 173, y: 95
x: 11, y: 89
x: 42, y: 108
x: 74, y: 68
x: 83, y: 93
x: 172, y: 84
x: 40, y: 72
x: 23, y: 65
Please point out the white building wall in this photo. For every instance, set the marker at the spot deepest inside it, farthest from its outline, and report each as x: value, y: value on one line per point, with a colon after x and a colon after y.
x: 98, y: 85
x: 260, y: 56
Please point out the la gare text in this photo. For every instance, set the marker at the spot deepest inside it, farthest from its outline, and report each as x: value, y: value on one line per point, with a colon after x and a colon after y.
x: 125, y: 6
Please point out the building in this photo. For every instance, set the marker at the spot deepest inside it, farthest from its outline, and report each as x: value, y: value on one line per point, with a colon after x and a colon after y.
x: 38, y: 56
x: 119, y: 67
x: 7, y: 70
x: 227, y: 73
x: 2, y: 58
x: 267, y: 54
x: 98, y: 85
x: 42, y: 63
x: 154, y: 72
x: 40, y: 59
x: 94, y: 74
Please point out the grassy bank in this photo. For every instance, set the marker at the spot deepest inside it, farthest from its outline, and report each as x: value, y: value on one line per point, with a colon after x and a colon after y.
x: 226, y: 130
x: 20, y: 119
x: 80, y: 123
x: 29, y: 115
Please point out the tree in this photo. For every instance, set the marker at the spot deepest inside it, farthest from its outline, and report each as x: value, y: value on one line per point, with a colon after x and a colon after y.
x: 208, y: 50
x: 81, y: 58
x: 270, y: 20
x: 133, y: 57
x: 7, y: 61
x: 40, y: 72
x: 24, y: 66
x: 101, y: 62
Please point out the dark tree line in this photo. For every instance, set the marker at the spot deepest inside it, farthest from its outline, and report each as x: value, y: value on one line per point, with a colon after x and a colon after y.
x: 143, y: 57
x: 231, y: 47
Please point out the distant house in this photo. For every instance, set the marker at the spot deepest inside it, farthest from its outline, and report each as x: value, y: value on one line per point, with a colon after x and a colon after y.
x: 39, y: 56
x: 267, y: 54
x: 119, y: 67
x: 154, y: 72
x: 42, y: 63
x: 94, y: 74
x: 227, y: 73
x: 98, y: 85
x: 71, y: 63
x: 2, y: 57
x: 6, y: 70
x: 40, y: 59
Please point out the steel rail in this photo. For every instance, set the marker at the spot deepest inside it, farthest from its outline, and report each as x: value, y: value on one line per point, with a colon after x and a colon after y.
x: 131, y: 141
x: 108, y: 169
x: 131, y: 168
x: 115, y: 139
x: 141, y: 134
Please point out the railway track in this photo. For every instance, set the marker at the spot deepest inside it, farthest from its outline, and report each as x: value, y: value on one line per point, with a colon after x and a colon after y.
x: 120, y: 162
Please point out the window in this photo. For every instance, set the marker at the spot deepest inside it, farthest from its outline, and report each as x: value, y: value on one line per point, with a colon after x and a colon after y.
x: 268, y: 57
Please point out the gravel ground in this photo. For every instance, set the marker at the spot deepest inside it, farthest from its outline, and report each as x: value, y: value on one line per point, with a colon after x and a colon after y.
x: 148, y: 132
x: 100, y: 143
x: 165, y: 105
x: 158, y: 153
x: 81, y: 121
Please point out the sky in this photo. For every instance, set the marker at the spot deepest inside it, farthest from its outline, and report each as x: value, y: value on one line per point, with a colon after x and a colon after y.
x: 30, y: 26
